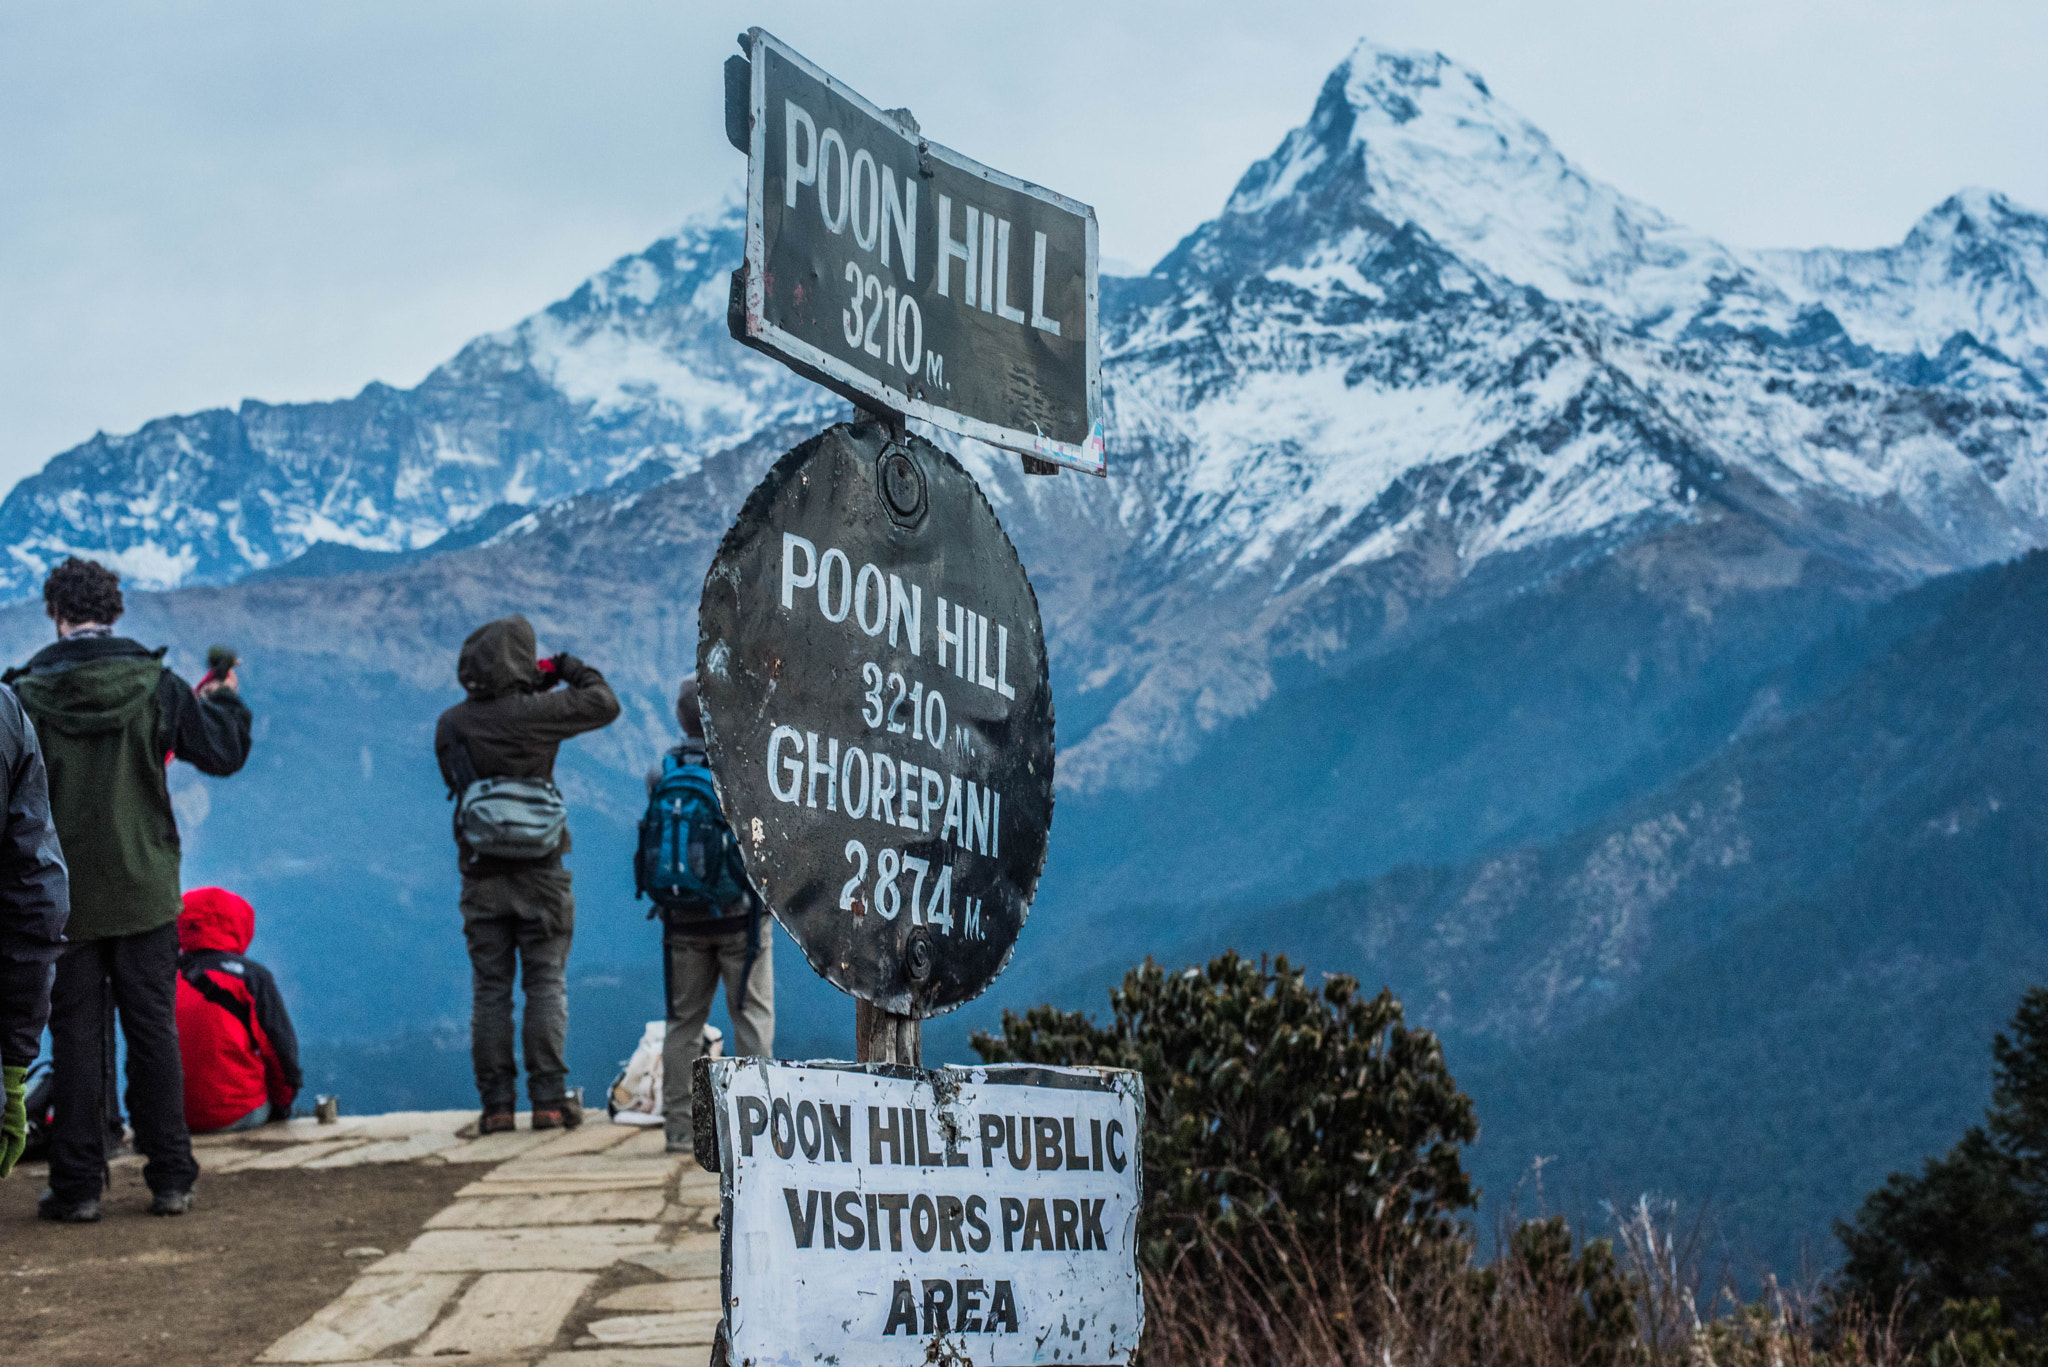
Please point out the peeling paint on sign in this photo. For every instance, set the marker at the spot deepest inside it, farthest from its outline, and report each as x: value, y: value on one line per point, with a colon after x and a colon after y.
x: 878, y: 1215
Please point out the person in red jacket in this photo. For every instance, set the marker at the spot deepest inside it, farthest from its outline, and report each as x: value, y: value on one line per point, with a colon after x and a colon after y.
x: 241, y: 1055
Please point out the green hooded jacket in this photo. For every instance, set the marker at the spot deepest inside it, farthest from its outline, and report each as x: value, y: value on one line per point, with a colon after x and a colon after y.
x: 110, y: 718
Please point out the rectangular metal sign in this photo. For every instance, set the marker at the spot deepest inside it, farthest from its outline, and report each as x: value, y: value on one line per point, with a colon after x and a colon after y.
x: 906, y: 276
x: 879, y: 1216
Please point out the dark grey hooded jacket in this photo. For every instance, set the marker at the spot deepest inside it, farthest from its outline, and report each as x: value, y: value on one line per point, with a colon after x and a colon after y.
x: 514, y: 720
x: 35, y: 893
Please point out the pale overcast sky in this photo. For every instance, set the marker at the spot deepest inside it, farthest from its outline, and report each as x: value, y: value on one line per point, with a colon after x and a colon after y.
x: 202, y: 200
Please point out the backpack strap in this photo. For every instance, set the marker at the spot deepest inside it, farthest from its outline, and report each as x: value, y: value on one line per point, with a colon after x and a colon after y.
x: 462, y: 766
x: 226, y: 1001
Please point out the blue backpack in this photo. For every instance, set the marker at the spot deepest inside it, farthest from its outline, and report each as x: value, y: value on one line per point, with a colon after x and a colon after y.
x: 689, y: 860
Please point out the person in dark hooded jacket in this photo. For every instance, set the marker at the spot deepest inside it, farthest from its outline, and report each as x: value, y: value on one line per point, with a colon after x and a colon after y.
x: 517, y: 914
x: 110, y: 717
x: 35, y: 901
x: 241, y: 1053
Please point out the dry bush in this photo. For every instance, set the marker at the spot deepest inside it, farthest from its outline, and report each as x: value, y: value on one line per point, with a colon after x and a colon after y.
x: 1265, y: 1298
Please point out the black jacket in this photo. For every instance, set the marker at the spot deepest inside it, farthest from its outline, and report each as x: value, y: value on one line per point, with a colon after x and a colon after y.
x: 511, y: 725
x: 35, y: 894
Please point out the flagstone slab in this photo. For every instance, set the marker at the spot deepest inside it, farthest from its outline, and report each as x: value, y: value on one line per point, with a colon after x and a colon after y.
x: 665, y: 1298
x: 390, y: 1125
x: 565, y: 1248
x: 646, y: 1331
x: 506, y: 1311
x: 590, y: 1138
x: 226, y: 1160
x: 524, y: 1359
x: 491, y: 1185
x: 583, y: 1208
x: 375, y: 1312
x: 656, y: 1170
x: 496, y: 1148
x: 650, y: 1141
x: 294, y: 1155
x: 678, y: 1264
x: 696, y: 1215
x: 410, y: 1149
x: 618, y: 1357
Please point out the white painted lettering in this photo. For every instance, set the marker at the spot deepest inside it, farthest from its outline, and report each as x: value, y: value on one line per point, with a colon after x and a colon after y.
x: 881, y: 600
x: 792, y: 579
x: 1038, y: 318
x: 791, y: 766
x: 1003, y: 663
x: 966, y: 250
x: 825, y: 584
x: 864, y: 160
x: 829, y: 767
x: 798, y: 171
x: 881, y: 803
x: 1003, y: 309
x: 952, y: 818
x: 907, y: 608
x: 988, y: 262
x: 856, y: 807
x: 901, y: 215
x: 975, y: 834
x: 835, y: 223
x: 908, y: 790
x: 953, y: 638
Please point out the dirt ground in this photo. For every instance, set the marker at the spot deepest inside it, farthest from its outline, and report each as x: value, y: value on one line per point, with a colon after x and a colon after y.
x: 259, y: 1253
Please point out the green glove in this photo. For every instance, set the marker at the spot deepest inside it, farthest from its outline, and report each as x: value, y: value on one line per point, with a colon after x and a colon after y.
x: 13, y: 1118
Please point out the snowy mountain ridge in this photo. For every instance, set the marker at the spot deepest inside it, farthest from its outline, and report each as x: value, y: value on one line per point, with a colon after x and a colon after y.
x: 1420, y: 354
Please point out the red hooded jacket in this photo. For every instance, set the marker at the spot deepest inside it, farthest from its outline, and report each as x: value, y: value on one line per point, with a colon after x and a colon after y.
x: 237, y: 1041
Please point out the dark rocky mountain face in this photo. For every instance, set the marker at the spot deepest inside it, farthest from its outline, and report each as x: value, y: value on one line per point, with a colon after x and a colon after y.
x: 1463, y: 513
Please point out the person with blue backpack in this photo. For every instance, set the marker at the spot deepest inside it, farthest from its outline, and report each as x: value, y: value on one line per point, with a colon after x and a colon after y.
x: 713, y: 923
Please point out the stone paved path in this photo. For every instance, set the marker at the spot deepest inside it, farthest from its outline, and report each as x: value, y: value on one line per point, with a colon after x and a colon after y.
x: 581, y: 1248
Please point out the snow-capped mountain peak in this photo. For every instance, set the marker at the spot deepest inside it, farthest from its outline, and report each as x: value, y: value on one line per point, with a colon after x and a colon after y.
x: 1421, y: 140
x: 1975, y: 264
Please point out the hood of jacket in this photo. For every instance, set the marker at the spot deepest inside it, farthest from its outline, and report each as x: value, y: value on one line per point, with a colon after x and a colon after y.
x: 215, y: 918
x: 498, y: 658
x: 91, y: 686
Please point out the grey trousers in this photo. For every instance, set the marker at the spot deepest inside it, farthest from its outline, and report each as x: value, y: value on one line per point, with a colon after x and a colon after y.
x: 696, y: 964
x: 519, y: 926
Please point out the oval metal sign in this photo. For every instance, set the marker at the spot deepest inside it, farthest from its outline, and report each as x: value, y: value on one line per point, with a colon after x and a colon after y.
x: 876, y: 708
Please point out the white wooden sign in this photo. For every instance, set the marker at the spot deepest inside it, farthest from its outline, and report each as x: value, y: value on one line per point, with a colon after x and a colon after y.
x: 879, y: 1216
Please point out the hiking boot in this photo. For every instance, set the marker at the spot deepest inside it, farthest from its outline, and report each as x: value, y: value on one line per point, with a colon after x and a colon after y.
x: 86, y: 1212
x: 171, y: 1202
x: 565, y: 1114
x: 495, y: 1122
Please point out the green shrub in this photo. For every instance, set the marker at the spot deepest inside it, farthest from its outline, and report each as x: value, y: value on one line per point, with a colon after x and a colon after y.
x: 1267, y: 1097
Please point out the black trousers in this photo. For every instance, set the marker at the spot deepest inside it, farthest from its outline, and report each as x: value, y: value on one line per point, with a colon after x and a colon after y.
x: 140, y: 973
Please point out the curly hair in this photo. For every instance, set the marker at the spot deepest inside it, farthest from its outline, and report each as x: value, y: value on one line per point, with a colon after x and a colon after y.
x: 83, y: 591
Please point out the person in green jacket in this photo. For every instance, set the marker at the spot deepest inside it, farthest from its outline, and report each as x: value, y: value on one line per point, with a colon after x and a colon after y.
x: 110, y: 718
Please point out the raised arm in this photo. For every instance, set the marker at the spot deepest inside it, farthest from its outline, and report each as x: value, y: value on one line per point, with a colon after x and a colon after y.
x: 585, y: 702
x: 211, y: 733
